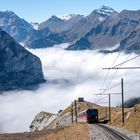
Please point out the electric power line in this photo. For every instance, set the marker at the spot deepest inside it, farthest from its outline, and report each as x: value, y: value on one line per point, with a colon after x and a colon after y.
x: 127, y: 61
x: 110, y: 88
x: 109, y: 71
x: 109, y: 83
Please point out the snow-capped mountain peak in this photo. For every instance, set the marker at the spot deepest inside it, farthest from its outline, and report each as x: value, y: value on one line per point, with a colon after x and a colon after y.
x: 67, y: 16
x: 105, y: 10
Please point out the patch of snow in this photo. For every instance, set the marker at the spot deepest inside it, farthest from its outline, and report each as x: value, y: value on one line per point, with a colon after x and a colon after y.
x: 101, y: 18
x: 67, y: 16
x: 112, y: 48
x: 22, y: 44
x: 35, y: 25
x: 105, y: 10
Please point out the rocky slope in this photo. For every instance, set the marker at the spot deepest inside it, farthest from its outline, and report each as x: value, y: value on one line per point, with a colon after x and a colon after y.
x: 60, y: 24
x: 17, y: 27
x: 42, y: 120
x: 132, y: 42
x: 85, y: 24
x: 43, y: 39
x: 18, y: 67
x: 110, y: 32
x: 24, y: 32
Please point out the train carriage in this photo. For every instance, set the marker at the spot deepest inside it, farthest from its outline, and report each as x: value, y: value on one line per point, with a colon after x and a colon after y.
x: 88, y: 116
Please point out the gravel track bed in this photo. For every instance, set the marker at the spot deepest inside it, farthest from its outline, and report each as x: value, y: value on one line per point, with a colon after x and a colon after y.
x: 99, y: 133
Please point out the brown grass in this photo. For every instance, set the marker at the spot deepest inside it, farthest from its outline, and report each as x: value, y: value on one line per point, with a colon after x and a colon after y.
x: 132, y: 118
x: 74, y: 132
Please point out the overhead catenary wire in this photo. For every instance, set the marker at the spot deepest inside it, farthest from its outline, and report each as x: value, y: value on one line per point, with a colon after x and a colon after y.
x: 109, y: 71
x: 123, y: 68
x: 111, y: 79
x: 107, y: 87
x: 101, y: 98
x: 126, y: 61
x: 110, y: 88
x: 109, y: 83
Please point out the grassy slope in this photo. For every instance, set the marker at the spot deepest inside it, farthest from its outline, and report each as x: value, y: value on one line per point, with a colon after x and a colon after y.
x: 74, y: 132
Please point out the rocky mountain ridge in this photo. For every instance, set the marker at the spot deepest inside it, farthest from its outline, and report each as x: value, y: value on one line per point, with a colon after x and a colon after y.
x: 102, y: 29
x: 17, y: 27
x: 114, y: 30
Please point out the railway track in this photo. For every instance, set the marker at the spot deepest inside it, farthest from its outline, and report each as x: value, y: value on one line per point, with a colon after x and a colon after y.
x: 103, y: 132
x: 117, y: 135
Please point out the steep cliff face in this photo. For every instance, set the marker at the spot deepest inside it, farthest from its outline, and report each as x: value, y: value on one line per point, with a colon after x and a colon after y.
x: 19, y: 69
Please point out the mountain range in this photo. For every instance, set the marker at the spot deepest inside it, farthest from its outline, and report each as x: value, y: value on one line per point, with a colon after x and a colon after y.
x: 102, y: 29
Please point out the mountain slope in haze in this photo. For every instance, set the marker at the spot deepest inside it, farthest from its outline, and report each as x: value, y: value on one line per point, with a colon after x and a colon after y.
x: 20, y: 29
x: 110, y: 32
x: 103, y: 29
x: 19, y: 69
x: 132, y: 42
x: 71, y: 29
x: 45, y: 41
x: 86, y: 23
x: 92, y: 20
x: 60, y: 24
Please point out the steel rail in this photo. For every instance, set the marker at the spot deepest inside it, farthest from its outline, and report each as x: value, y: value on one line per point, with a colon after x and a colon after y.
x: 115, y: 133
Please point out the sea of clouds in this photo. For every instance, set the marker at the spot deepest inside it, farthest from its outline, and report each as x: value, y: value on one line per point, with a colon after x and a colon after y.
x: 69, y: 75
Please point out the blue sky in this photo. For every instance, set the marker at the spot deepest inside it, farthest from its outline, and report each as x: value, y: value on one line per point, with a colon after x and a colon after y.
x: 40, y: 10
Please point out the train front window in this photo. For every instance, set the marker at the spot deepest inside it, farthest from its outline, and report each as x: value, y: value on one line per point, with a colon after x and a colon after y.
x: 92, y: 113
x: 89, y: 113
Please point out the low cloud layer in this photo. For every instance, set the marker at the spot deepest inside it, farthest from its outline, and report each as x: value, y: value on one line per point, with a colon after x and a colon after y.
x: 69, y: 75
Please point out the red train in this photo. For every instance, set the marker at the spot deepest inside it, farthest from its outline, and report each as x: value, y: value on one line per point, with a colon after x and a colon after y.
x: 88, y: 116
